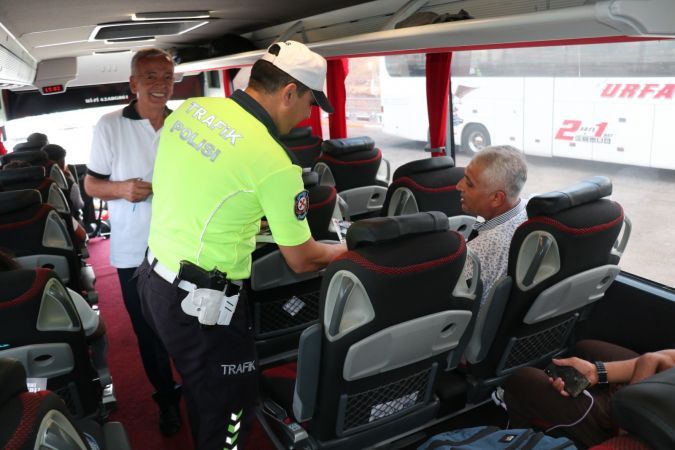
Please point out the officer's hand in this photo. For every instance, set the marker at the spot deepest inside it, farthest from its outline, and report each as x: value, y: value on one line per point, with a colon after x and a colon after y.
x: 136, y: 190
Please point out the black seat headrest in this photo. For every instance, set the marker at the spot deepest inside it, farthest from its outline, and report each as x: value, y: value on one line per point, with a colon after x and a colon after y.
x: 12, y: 379
x: 383, y: 229
x: 647, y: 408
x: 424, y: 165
x: 17, y: 200
x: 10, y: 176
x: 587, y: 191
x: 297, y: 133
x: 35, y: 157
x: 310, y: 178
x: 348, y: 145
x: 27, y: 147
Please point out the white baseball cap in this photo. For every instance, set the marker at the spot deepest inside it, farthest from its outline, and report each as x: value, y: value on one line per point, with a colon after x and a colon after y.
x: 298, y: 61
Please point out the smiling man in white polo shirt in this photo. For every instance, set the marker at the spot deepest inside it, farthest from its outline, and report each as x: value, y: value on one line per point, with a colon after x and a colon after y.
x: 120, y: 171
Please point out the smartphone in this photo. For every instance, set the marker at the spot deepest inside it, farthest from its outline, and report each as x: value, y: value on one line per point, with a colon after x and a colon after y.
x: 575, y: 382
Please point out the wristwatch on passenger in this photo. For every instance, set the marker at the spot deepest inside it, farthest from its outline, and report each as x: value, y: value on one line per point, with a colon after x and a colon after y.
x: 602, y: 372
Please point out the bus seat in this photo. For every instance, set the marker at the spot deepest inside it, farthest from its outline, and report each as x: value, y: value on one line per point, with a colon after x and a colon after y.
x: 33, y: 156
x: 393, y: 315
x: 41, y: 327
x: 560, y: 263
x: 304, y: 145
x: 283, y: 302
x: 34, y: 178
x: 355, y: 167
x: 41, y: 420
x: 429, y: 184
x: 38, y: 237
x: 646, y: 409
x: 53, y: 188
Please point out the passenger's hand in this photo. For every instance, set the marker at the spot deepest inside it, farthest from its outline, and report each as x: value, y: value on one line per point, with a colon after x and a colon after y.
x: 649, y: 364
x: 136, y: 190
x: 584, y: 367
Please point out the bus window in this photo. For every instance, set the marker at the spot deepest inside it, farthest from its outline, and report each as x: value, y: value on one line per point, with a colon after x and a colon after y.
x: 404, y: 101
x: 577, y: 111
x: 68, y: 119
x: 373, y: 90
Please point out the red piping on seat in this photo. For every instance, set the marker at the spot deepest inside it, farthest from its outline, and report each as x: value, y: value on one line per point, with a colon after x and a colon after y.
x: 409, y: 181
x: 304, y: 147
x: 31, y: 404
x: 325, y: 157
x: 289, y: 371
x: 44, y: 184
x: 35, y: 288
x: 325, y: 202
x: 43, y: 211
x: 567, y: 229
x: 363, y: 262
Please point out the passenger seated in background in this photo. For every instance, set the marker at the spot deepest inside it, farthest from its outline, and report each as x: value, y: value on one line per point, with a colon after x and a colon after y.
x: 57, y: 154
x: 34, y: 141
x: 38, y: 138
x: 491, y: 189
x: 533, y: 398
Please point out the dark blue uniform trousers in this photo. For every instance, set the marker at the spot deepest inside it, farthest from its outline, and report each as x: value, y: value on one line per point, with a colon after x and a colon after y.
x: 218, y: 363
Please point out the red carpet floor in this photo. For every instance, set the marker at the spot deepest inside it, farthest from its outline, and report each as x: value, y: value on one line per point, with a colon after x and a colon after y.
x: 135, y: 408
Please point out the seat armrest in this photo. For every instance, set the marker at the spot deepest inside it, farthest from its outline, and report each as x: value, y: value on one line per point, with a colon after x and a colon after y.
x: 307, y: 379
x: 271, y: 271
x: 647, y: 408
x: 487, y: 322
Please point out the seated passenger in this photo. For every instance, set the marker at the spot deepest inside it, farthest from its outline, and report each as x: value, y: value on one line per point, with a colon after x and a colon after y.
x: 34, y: 141
x: 532, y: 397
x: 491, y: 189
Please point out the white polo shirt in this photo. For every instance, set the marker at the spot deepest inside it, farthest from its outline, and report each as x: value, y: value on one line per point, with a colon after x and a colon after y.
x: 124, y: 146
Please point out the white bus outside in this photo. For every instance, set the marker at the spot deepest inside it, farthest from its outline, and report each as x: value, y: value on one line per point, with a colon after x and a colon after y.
x: 601, y: 108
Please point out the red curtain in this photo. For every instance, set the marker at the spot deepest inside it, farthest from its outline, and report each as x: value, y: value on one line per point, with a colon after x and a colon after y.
x: 227, y: 83
x: 337, y: 95
x: 314, y: 121
x: 438, y: 87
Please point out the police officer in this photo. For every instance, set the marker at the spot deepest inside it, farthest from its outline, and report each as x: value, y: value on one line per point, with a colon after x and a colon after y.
x: 220, y: 168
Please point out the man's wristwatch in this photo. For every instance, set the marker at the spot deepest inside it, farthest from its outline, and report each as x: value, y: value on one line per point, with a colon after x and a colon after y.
x: 602, y: 372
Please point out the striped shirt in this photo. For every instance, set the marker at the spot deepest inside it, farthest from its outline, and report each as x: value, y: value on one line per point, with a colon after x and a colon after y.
x: 491, y: 246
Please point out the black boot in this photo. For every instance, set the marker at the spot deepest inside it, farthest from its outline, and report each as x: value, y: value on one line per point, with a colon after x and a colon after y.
x: 169, y: 411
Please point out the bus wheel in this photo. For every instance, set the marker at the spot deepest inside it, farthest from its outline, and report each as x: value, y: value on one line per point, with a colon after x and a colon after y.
x: 475, y: 138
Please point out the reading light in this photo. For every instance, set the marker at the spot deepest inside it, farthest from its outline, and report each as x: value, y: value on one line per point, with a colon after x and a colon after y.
x: 162, y: 15
x: 108, y: 52
x: 131, y: 39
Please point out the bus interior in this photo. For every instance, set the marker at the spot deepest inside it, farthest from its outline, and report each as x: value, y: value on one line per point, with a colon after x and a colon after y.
x: 585, y: 89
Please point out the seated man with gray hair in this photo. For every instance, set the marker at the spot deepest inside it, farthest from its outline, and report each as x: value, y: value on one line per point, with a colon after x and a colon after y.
x: 491, y: 189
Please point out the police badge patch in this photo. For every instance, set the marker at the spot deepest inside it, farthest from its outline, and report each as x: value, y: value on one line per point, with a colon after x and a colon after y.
x: 301, y: 205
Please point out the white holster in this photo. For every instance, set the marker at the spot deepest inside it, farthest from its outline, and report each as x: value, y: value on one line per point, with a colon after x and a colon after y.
x: 211, y: 307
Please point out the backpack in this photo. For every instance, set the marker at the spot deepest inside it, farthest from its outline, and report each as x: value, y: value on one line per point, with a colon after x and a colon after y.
x: 487, y: 438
